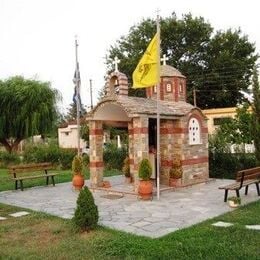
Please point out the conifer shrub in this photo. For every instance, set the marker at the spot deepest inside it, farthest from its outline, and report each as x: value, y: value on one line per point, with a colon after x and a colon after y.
x: 86, y: 213
x: 126, y: 167
x: 145, y: 170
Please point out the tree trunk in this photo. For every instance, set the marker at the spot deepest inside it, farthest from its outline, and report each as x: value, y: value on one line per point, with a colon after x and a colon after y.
x: 10, y: 147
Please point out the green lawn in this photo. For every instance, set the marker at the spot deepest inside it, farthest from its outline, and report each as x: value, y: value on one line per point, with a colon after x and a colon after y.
x: 40, y: 236
x: 6, y: 183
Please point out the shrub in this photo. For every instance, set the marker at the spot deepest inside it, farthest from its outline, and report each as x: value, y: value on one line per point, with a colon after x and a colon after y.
x: 145, y: 170
x: 225, y: 165
x: 38, y: 153
x: 77, y: 164
x: 86, y: 213
x: 176, y: 170
x: 114, y: 156
x: 66, y: 157
x: 86, y: 160
x: 126, y: 167
x: 7, y: 158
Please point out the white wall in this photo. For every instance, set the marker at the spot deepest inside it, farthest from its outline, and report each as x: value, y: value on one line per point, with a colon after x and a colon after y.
x: 67, y: 137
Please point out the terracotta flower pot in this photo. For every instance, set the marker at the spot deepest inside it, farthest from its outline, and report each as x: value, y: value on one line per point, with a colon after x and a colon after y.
x: 145, y: 189
x: 78, y: 181
x: 232, y: 204
x: 175, y: 182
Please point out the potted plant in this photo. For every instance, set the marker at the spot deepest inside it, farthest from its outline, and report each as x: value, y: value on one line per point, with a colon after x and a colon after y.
x: 145, y: 189
x: 78, y: 176
x: 175, y: 173
x: 126, y: 170
x: 234, y: 202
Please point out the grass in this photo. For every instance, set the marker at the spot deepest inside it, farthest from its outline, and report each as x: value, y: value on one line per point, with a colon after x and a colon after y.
x: 6, y: 183
x: 41, y: 236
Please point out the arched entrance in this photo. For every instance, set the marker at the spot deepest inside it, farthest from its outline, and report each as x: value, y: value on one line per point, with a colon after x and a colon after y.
x: 108, y: 113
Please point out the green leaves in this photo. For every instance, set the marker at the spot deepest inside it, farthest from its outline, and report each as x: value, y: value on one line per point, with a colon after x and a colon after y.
x: 217, y: 64
x: 27, y: 107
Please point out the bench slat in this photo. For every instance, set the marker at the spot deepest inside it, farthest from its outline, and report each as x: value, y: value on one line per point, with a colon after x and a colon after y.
x: 253, y: 173
x: 35, y: 176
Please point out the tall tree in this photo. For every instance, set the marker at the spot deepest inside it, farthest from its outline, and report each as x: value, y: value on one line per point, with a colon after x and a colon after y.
x: 72, y: 112
x: 27, y: 108
x: 216, y: 65
x: 256, y: 115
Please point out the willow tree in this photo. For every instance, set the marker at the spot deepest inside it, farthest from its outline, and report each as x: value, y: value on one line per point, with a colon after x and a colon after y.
x: 27, y: 108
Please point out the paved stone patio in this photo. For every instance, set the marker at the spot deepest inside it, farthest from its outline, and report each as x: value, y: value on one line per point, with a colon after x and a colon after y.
x: 175, y: 209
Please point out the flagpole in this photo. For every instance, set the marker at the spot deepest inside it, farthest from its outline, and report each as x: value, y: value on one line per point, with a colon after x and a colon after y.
x: 77, y: 93
x: 158, y: 112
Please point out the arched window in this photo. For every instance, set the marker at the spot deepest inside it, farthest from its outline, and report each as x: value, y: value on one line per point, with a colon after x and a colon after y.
x: 194, y: 131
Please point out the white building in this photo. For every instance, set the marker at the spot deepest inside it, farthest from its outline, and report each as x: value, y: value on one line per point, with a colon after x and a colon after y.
x: 68, y: 136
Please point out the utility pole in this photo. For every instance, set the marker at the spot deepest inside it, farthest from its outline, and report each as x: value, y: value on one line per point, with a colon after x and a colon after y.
x: 77, y: 79
x: 91, y: 98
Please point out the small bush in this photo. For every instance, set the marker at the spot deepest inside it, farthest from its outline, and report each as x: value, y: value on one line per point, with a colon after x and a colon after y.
x: 114, y: 157
x: 86, y: 160
x: 66, y: 157
x: 7, y: 158
x: 126, y: 167
x: 86, y: 213
x: 38, y: 153
x: 225, y: 165
x: 145, y: 170
x: 77, y: 164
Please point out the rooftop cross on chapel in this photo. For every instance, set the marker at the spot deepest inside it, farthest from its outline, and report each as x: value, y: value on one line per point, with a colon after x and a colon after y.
x: 164, y: 59
x: 116, y: 61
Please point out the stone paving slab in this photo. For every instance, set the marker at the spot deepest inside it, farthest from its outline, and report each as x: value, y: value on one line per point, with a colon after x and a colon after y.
x: 254, y: 227
x: 2, y: 218
x: 175, y: 209
x: 222, y: 224
x: 19, y: 214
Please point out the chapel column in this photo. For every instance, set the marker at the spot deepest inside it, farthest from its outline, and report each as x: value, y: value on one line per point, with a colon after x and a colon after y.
x: 140, y: 145
x: 96, y: 164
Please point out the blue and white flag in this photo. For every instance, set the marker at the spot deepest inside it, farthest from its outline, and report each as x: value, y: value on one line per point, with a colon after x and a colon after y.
x: 77, y: 82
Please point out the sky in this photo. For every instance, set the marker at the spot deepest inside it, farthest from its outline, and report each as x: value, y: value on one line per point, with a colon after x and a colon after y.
x: 37, y: 36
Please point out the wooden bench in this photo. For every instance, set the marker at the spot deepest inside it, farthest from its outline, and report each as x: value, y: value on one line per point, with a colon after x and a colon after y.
x: 244, y: 178
x: 31, y: 171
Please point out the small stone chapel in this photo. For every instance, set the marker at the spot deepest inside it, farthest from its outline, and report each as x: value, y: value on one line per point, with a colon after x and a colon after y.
x: 183, y: 127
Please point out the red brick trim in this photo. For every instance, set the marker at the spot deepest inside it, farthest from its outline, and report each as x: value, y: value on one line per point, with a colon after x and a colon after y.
x: 175, y: 130
x: 96, y: 132
x: 166, y: 163
x: 130, y: 131
x: 204, y: 130
x: 131, y: 161
x: 195, y: 161
x: 140, y: 130
x: 97, y: 164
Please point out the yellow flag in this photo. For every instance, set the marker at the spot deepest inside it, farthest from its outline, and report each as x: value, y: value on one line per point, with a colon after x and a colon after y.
x: 146, y: 73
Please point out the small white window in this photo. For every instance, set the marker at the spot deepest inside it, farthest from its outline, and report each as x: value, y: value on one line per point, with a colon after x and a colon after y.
x: 194, y: 131
x: 168, y: 87
x: 155, y: 89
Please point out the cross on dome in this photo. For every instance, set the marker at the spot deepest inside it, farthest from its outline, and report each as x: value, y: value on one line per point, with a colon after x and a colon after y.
x: 116, y: 61
x: 164, y: 59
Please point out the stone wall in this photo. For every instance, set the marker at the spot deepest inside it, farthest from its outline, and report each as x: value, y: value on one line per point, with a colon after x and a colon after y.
x: 195, y: 157
x: 96, y: 164
x: 139, y: 145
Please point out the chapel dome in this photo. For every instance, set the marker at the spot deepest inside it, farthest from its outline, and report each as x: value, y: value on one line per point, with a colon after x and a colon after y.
x: 169, y: 71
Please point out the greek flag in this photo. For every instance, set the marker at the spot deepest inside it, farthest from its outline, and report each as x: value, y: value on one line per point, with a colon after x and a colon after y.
x: 77, y: 82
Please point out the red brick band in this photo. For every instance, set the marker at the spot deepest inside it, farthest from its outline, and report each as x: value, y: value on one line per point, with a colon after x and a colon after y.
x: 131, y: 161
x: 140, y: 130
x: 195, y: 161
x: 96, y: 132
x: 97, y: 164
x: 179, y: 130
